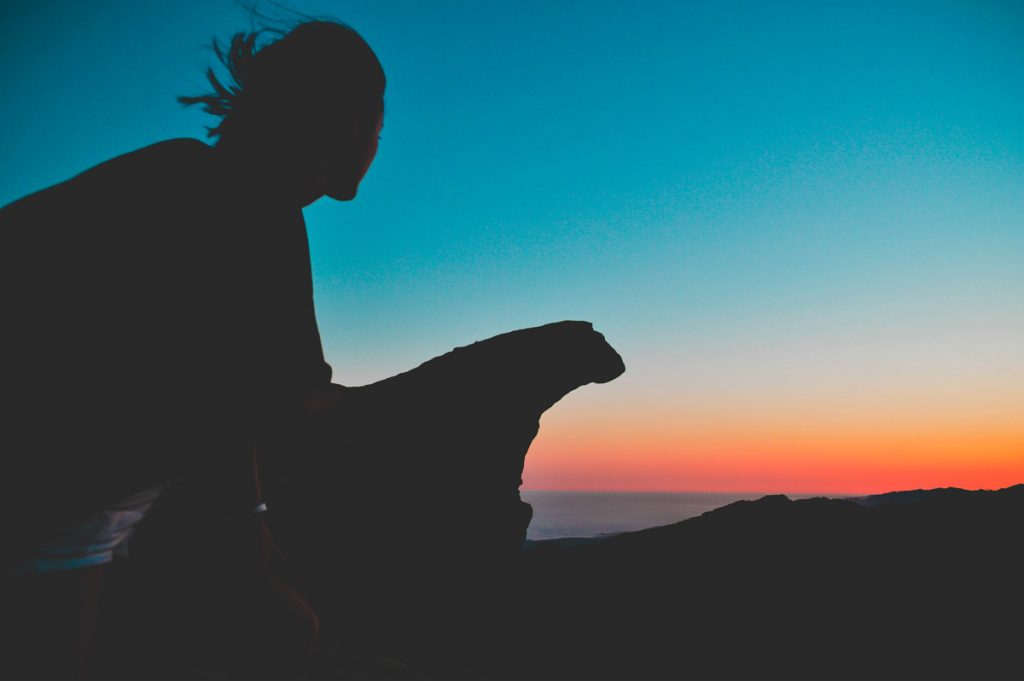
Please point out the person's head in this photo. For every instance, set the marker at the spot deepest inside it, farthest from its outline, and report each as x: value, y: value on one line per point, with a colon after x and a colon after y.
x: 309, y: 103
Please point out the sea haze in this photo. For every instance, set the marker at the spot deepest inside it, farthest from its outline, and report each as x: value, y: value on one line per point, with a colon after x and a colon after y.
x: 592, y: 514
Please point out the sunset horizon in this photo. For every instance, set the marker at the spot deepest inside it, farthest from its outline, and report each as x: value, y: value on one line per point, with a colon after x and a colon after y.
x: 800, y: 225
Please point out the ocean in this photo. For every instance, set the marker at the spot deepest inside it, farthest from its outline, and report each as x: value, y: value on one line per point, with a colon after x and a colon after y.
x: 593, y: 514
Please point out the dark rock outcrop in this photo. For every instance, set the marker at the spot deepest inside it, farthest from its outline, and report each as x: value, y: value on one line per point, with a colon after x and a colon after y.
x: 429, y: 462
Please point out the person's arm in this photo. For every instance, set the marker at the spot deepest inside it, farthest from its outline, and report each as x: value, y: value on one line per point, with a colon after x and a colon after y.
x: 271, y: 338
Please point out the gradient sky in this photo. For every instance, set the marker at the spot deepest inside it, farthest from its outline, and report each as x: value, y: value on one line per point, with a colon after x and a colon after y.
x: 800, y: 223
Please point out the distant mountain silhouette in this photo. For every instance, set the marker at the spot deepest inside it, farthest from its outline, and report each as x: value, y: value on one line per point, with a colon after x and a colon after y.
x: 909, y: 496
x: 946, y: 523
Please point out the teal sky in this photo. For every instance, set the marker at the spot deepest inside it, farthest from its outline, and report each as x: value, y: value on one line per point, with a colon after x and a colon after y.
x: 754, y: 201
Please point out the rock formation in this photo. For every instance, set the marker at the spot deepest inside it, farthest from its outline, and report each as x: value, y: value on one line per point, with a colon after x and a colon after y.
x: 429, y: 462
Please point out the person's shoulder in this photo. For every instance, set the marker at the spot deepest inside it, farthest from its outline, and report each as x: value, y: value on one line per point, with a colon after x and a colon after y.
x: 176, y: 173
x: 179, y: 148
x: 175, y: 158
x: 168, y: 157
x: 173, y: 173
x: 182, y: 151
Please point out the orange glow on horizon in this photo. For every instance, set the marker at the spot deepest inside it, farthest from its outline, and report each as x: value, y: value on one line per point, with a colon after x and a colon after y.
x: 861, y: 456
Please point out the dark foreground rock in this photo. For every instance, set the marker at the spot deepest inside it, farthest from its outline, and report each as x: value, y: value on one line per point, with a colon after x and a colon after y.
x: 429, y: 462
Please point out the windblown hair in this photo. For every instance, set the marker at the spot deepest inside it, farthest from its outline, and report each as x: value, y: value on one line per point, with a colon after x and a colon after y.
x: 322, y: 67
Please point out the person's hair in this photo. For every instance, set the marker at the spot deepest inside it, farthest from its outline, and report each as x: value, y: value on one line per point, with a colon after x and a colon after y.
x: 322, y: 67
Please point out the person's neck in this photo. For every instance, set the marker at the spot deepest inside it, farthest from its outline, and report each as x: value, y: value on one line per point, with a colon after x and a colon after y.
x: 261, y: 173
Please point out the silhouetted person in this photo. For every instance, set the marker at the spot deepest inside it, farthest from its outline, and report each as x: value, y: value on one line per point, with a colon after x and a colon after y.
x: 157, y: 311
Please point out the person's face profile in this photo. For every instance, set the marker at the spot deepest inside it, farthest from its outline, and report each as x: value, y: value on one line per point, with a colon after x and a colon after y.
x: 350, y: 166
